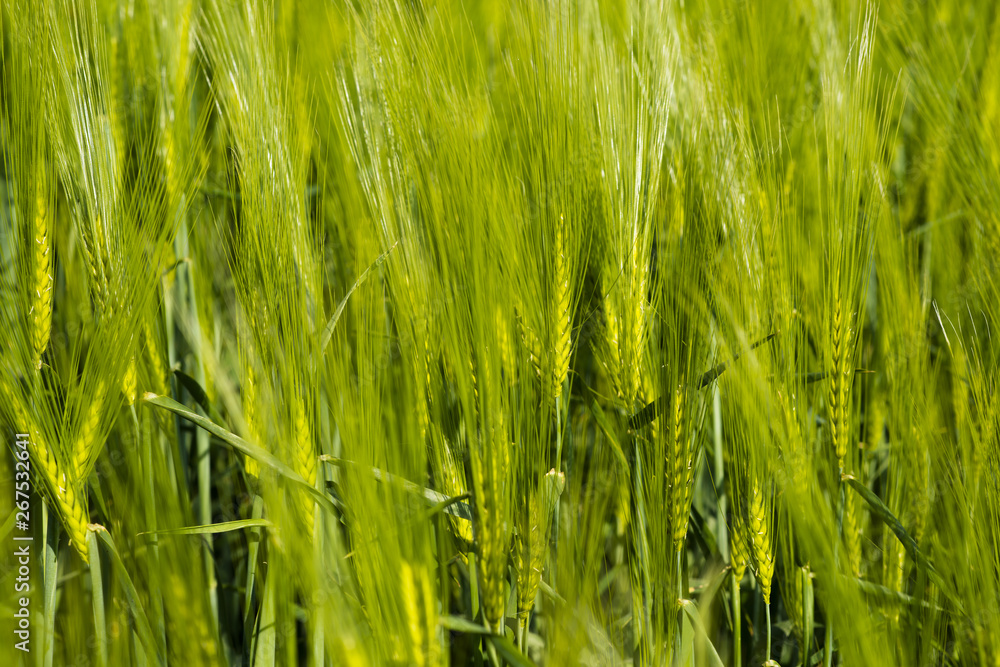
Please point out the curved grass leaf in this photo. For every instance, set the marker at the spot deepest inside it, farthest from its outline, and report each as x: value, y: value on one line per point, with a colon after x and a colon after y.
x: 459, y: 624
x: 651, y: 410
x: 609, y: 432
x: 149, y: 643
x: 504, y: 647
x: 692, y: 613
x: 438, y: 501
x: 331, y: 325
x: 97, y: 588
x: 253, y: 451
x: 446, y: 505
x: 510, y: 653
x: 199, y: 395
x: 213, y: 528
x: 886, y: 515
x: 50, y: 577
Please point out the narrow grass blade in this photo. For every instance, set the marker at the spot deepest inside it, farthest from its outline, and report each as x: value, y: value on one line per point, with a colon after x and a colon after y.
x: 332, y: 324
x: 250, y: 614
x: 213, y: 528
x: 459, y: 624
x: 554, y: 594
x: 473, y: 585
x: 445, y: 505
x: 238, y: 443
x: 711, y: 375
x: 651, y: 410
x: 816, y: 376
x: 448, y: 505
x: 692, y: 613
x: 265, y: 634
x: 50, y: 577
x: 908, y: 542
x: 199, y: 395
x: 510, y: 653
x: 609, y: 433
x: 97, y: 594
x: 808, y: 618
x: 146, y: 636
x: 504, y: 646
x: 888, y: 595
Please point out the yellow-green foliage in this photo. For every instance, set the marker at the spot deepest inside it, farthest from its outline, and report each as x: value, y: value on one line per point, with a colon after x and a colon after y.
x: 429, y: 333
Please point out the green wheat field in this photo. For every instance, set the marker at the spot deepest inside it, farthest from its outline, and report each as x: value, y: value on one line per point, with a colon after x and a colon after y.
x: 442, y: 332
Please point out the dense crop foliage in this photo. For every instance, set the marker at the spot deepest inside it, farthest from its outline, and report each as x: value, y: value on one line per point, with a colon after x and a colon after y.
x: 424, y: 333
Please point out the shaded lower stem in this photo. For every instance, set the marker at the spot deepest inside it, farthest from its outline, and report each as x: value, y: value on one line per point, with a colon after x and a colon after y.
x: 737, y: 630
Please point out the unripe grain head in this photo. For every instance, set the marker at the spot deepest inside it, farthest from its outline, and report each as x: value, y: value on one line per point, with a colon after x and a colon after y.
x: 40, y: 319
x: 760, y: 520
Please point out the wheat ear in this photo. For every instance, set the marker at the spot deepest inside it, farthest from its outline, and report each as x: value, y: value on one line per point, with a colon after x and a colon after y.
x: 418, y: 600
x: 683, y: 472
x: 532, y: 540
x: 893, y: 562
x: 533, y: 343
x: 251, y: 417
x: 637, y: 324
x: 305, y: 458
x: 612, y: 348
x: 130, y: 381
x: 491, y: 466
x: 852, y: 532
x: 87, y: 436
x: 41, y: 290
x: 838, y: 383
x: 760, y: 536
x: 451, y: 478
x: 504, y: 344
x: 920, y: 499
x: 739, y: 552
x: 62, y: 489
x: 791, y: 592
x: 93, y: 269
x: 562, y: 324
x: 157, y: 369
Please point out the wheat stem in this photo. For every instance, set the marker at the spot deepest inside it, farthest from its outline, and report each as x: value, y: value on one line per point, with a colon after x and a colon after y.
x: 737, y: 620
